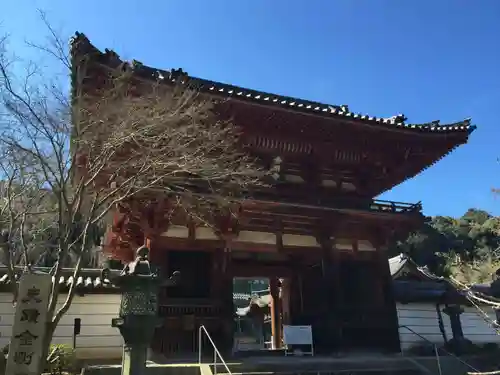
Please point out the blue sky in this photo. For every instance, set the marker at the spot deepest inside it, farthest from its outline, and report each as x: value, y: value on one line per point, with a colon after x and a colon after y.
x: 428, y: 59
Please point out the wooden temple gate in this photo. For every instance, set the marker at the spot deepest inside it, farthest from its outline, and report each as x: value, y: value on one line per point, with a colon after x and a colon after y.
x: 335, y: 282
x: 316, y: 224
x: 347, y: 301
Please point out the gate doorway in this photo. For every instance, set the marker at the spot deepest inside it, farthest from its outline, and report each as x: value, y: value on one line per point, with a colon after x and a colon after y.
x: 252, y: 328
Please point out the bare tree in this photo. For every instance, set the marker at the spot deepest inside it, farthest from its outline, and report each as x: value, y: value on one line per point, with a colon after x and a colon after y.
x: 82, y: 156
x: 25, y: 218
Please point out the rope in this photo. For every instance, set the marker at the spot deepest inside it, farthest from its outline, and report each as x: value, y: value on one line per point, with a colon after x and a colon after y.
x: 474, y: 298
x: 470, y: 295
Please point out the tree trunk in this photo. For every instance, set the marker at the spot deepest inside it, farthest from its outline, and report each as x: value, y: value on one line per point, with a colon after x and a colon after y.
x: 47, y: 340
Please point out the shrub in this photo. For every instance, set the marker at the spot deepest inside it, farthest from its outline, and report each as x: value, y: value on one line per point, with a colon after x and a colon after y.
x: 61, y: 358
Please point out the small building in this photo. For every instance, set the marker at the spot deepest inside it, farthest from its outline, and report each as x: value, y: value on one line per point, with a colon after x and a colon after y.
x: 422, y: 300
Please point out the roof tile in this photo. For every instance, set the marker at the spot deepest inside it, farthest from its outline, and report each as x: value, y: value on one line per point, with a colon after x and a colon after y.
x: 80, y: 44
x: 90, y: 280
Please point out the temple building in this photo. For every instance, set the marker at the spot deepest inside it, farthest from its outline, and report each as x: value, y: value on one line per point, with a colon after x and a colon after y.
x: 320, y: 227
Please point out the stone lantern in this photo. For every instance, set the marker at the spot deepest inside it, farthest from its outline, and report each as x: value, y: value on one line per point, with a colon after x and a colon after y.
x: 138, y: 316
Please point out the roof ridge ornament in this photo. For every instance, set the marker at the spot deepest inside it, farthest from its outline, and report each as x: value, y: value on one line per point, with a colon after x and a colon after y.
x: 397, y: 119
x: 177, y: 73
x: 400, y: 118
x: 78, y: 38
x: 112, y: 57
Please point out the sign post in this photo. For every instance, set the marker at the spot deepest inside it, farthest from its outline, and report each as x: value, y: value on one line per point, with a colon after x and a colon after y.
x: 29, y: 324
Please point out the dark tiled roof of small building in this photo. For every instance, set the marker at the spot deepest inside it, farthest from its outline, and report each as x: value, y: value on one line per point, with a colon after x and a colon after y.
x: 89, y: 281
x: 80, y: 45
x: 397, y: 264
x: 401, y: 264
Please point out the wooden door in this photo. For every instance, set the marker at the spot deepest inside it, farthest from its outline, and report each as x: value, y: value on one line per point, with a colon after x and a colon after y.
x: 308, y: 306
x: 366, y: 313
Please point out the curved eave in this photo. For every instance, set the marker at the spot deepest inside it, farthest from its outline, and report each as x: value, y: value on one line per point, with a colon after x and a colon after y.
x: 81, y: 46
x: 421, y: 167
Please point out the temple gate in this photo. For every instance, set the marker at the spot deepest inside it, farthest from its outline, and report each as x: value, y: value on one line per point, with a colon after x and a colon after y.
x: 318, y: 226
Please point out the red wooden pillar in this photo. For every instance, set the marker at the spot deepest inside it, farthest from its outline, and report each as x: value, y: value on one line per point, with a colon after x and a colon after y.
x: 157, y: 257
x: 148, y: 242
x: 335, y: 299
x: 329, y: 324
x: 222, y: 293
x: 285, y: 300
x: 275, y: 312
x: 382, y: 270
x: 388, y: 316
x: 285, y: 303
x: 155, y: 219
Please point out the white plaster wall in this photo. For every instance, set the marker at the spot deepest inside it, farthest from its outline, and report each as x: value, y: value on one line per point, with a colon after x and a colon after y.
x: 422, y: 318
x: 97, y: 338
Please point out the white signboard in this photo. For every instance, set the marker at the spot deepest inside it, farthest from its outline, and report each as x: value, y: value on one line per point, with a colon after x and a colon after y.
x: 298, y: 335
x: 29, y: 324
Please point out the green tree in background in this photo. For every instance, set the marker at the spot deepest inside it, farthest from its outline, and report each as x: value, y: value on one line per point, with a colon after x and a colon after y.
x: 467, y: 247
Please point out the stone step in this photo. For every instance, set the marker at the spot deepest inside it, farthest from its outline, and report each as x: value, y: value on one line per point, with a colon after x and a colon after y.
x: 315, y: 365
x: 151, y: 369
x: 332, y: 372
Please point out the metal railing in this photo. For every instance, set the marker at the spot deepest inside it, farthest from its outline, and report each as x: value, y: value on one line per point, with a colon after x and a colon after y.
x: 203, y: 331
x: 397, y: 207
x: 436, y: 352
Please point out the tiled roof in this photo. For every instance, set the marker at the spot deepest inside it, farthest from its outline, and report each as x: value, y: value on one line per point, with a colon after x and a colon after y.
x: 397, y: 264
x: 326, y: 110
x: 81, y: 44
x: 89, y: 281
x: 242, y: 296
x: 401, y: 263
